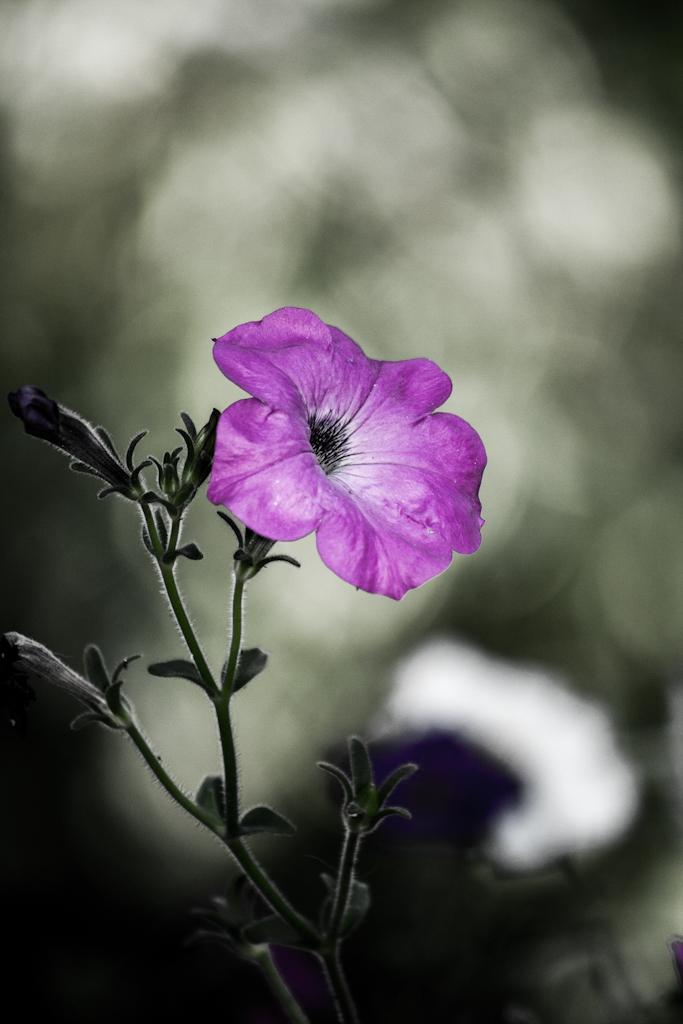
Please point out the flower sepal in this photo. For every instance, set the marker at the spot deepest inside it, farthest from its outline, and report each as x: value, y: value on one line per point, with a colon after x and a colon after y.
x: 252, y: 554
x: 364, y: 805
x: 178, y: 481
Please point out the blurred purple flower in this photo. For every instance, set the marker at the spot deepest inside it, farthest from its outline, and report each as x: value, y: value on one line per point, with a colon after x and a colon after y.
x: 676, y: 947
x: 349, y: 447
x: 304, y: 976
x: 457, y: 794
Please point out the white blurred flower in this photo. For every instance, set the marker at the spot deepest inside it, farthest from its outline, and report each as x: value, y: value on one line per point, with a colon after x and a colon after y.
x: 579, y: 793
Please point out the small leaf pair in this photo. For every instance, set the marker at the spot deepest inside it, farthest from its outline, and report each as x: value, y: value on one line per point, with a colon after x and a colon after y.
x: 252, y: 552
x: 96, y: 672
x: 211, y: 798
x: 364, y: 805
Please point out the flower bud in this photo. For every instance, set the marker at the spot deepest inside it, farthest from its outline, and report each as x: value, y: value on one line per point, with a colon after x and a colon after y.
x: 197, y: 468
x: 88, y: 446
x: 38, y: 412
x: 23, y: 657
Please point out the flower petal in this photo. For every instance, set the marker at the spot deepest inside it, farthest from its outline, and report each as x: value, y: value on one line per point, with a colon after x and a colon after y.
x: 404, y: 391
x: 293, y: 361
x: 431, y: 470
x: 265, y: 472
x: 375, y: 545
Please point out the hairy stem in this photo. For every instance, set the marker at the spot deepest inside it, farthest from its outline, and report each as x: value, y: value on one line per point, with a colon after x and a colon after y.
x: 167, y: 782
x: 221, y: 700
x: 269, y: 890
x: 344, y: 883
x: 175, y: 600
x: 222, y: 705
x: 346, y: 1008
x: 241, y: 852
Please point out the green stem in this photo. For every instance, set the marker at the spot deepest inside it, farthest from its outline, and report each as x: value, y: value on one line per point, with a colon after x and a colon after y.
x: 168, y: 577
x: 222, y: 705
x: 167, y: 782
x: 347, y: 864
x: 279, y: 987
x: 346, y: 1008
x: 275, y: 899
x: 221, y: 700
x: 240, y: 851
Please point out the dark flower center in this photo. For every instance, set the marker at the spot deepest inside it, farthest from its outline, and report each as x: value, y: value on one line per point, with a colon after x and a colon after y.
x: 329, y: 441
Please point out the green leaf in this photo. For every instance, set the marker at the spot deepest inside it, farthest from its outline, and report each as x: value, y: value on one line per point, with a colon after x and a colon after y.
x: 263, y: 819
x: 251, y: 663
x: 341, y: 777
x: 361, y: 768
x: 177, y: 668
x: 398, y: 775
x: 357, y: 907
x: 272, y: 930
x: 211, y: 796
x: 95, y: 668
x: 190, y: 551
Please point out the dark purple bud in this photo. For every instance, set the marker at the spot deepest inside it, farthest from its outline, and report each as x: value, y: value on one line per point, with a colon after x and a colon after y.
x: 457, y: 794
x: 89, y: 447
x: 38, y: 412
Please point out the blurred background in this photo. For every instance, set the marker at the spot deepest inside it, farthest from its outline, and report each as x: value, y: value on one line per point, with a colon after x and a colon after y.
x: 495, y: 185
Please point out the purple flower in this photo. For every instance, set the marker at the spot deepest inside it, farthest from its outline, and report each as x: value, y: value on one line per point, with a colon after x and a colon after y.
x: 349, y: 447
x: 456, y: 795
x: 676, y: 947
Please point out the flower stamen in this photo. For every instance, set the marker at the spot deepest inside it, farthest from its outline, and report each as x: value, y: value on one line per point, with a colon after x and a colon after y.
x: 329, y: 441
